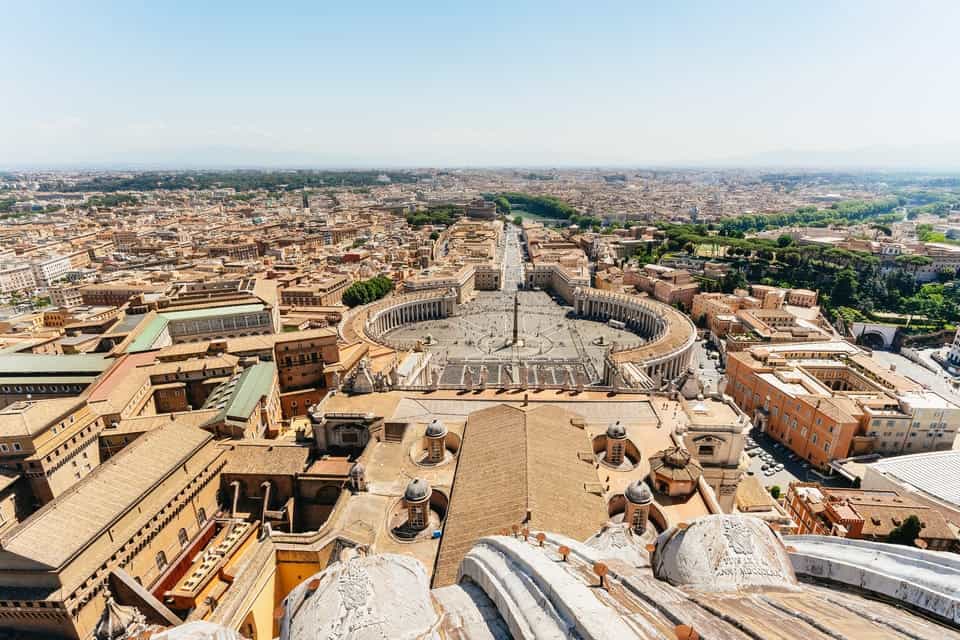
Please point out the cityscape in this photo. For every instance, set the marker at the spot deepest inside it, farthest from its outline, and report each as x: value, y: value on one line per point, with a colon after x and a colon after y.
x: 263, y: 391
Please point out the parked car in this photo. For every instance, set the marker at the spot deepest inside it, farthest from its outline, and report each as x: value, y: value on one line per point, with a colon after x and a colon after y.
x: 764, y: 467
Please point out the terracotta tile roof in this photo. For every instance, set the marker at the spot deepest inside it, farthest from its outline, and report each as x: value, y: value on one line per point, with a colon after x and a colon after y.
x: 512, y: 461
x: 66, y: 526
x: 266, y: 458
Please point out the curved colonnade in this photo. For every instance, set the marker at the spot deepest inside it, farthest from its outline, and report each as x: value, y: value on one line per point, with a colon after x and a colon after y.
x: 670, y: 335
x: 370, y: 322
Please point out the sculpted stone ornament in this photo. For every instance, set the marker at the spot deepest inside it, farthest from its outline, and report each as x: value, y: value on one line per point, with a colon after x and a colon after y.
x: 362, y: 598
x: 724, y: 553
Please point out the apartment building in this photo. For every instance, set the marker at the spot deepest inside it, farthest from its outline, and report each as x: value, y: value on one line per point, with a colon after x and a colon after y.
x: 17, y: 278
x: 827, y: 400
x: 865, y: 515
x: 671, y: 286
x: 52, y: 443
x: 322, y: 292
x: 740, y: 320
x: 66, y: 296
x: 234, y: 250
x: 117, y: 293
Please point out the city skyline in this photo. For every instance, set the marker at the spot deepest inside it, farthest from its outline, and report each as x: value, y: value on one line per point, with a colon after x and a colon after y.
x: 853, y: 85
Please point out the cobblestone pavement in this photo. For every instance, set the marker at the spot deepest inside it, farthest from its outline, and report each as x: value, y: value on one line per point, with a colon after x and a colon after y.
x: 554, y: 346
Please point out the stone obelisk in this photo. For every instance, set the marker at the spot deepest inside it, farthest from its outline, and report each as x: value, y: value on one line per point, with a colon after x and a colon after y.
x: 516, y: 313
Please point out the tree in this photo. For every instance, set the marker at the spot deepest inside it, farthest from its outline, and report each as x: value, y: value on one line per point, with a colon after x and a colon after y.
x: 775, y: 492
x: 503, y: 205
x: 434, y: 235
x: 906, y: 533
x: 690, y: 248
x: 784, y: 241
x: 518, y: 220
x: 882, y: 228
x: 734, y: 279
x: 844, y: 291
x: 366, y: 291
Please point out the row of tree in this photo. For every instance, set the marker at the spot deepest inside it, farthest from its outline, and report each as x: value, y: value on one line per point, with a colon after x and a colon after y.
x: 365, y: 291
x: 112, y: 200
x: 240, y: 180
x: 850, y: 211
x: 850, y: 280
x: 442, y: 215
x: 544, y: 206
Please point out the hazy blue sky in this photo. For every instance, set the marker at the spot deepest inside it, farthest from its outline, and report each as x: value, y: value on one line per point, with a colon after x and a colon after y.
x: 506, y: 83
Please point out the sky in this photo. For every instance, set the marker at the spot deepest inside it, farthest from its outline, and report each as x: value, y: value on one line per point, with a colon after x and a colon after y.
x: 392, y: 84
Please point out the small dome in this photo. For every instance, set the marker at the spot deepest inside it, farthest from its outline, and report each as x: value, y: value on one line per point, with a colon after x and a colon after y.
x: 357, y: 470
x: 724, y: 553
x: 638, y: 492
x: 436, y: 429
x: 385, y: 596
x: 616, y: 431
x: 417, y: 490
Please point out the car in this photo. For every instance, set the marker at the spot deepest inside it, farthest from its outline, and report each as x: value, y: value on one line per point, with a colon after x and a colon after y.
x: 779, y: 467
x: 764, y: 467
x: 752, y: 453
x: 769, y: 472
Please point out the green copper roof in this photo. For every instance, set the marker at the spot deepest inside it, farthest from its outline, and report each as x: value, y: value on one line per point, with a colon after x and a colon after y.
x: 194, y: 314
x: 152, y: 331
x: 25, y: 364
x: 148, y: 336
x: 237, y: 397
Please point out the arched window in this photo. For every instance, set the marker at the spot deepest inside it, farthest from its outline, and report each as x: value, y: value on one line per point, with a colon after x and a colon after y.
x: 182, y: 537
x: 201, y: 515
x: 161, y: 559
x: 328, y: 495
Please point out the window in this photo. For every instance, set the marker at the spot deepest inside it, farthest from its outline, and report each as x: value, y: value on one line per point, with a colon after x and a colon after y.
x: 4, y: 447
x: 705, y: 450
x: 182, y: 537
x: 16, y: 446
x: 202, y: 515
x: 161, y: 559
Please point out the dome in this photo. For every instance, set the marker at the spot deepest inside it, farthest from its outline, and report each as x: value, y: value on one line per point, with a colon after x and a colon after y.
x: 677, y: 464
x: 417, y: 490
x: 638, y: 492
x: 436, y: 429
x: 616, y: 431
x: 724, y: 553
x: 382, y: 596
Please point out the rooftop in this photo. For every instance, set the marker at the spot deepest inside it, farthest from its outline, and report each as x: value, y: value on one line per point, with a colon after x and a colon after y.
x: 66, y: 526
x: 935, y: 473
